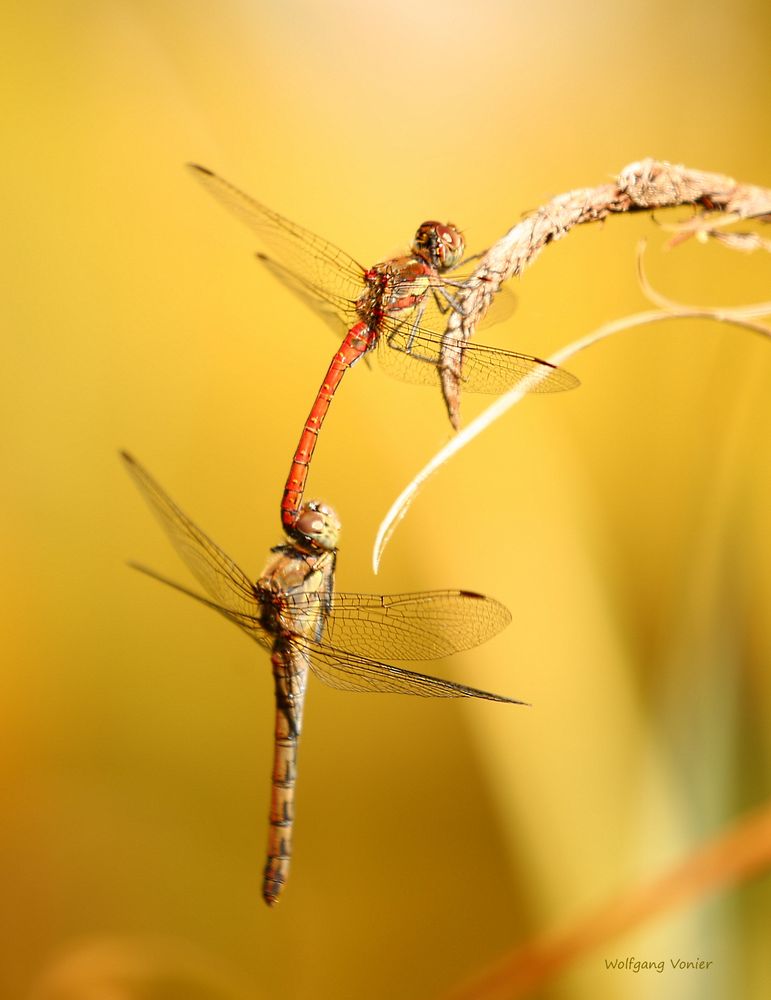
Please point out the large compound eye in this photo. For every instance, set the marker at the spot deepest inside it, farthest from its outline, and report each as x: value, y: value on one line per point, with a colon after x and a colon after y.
x: 318, y: 525
x: 440, y: 246
x: 452, y: 245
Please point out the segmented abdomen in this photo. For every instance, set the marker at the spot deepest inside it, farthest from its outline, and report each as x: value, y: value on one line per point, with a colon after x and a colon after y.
x: 290, y: 673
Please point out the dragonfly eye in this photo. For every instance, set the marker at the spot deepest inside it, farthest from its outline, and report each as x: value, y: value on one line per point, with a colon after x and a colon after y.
x: 440, y: 246
x: 318, y: 525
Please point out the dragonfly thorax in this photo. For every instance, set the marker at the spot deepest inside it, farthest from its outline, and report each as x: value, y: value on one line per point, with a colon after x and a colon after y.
x: 392, y: 287
x: 440, y: 245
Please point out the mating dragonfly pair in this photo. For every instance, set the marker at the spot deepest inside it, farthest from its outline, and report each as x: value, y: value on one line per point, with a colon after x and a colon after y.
x: 293, y: 609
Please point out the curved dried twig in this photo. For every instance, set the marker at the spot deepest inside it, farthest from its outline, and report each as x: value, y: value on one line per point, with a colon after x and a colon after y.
x: 642, y: 186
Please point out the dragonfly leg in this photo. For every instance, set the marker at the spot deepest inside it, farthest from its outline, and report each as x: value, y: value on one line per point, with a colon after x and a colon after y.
x: 407, y: 345
x: 450, y: 301
x: 413, y: 326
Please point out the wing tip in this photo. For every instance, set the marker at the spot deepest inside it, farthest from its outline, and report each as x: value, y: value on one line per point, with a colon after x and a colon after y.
x: 567, y: 380
x: 491, y: 602
x: 198, y: 169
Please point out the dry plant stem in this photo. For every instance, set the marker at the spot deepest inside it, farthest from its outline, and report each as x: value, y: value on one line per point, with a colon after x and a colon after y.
x: 642, y: 186
x: 401, y: 505
x: 731, y: 858
x: 741, y: 316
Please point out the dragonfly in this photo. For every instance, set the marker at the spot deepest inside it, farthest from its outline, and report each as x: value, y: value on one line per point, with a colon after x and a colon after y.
x: 386, y: 306
x: 293, y: 611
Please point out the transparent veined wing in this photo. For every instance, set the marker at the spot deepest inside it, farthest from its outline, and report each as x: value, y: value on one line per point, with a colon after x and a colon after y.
x: 342, y: 669
x: 250, y: 623
x: 338, y: 312
x: 220, y: 577
x: 420, y: 626
x: 339, y: 669
x: 414, y: 354
x: 318, y: 262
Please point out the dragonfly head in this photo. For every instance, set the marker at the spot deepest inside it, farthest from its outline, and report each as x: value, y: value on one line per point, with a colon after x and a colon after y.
x: 440, y: 246
x: 317, y: 526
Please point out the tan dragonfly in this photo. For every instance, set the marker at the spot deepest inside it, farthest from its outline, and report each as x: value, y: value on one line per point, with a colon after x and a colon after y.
x: 293, y: 611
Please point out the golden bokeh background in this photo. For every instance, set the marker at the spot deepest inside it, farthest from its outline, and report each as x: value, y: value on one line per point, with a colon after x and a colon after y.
x: 626, y: 524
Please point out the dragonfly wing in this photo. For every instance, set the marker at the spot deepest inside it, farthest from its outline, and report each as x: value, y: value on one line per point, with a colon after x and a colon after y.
x: 249, y: 623
x: 413, y: 354
x: 503, y: 307
x: 422, y: 626
x: 220, y: 577
x: 319, y: 262
x: 340, y: 669
x: 338, y: 312
x: 343, y: 670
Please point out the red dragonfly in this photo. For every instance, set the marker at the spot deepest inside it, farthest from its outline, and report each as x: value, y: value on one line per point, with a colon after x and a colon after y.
x: 293, y: 611
x: 386, y: 305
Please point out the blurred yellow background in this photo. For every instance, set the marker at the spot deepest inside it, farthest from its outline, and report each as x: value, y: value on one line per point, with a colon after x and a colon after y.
x: 632, y: 546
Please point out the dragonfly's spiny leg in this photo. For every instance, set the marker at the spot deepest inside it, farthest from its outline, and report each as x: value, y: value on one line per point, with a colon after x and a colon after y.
x: 414, y: 323
x: 451, y: 300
